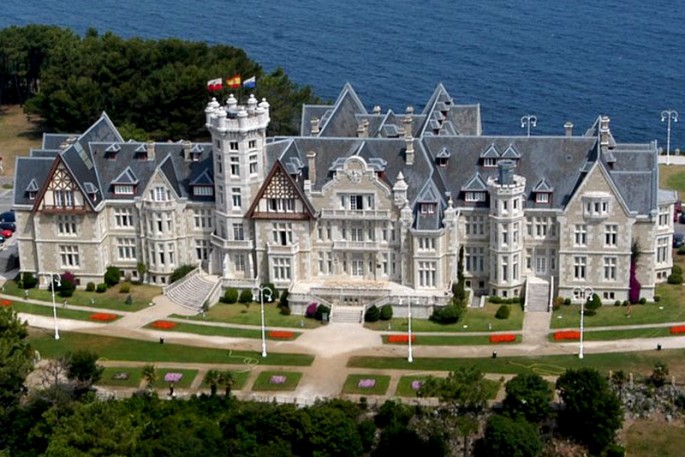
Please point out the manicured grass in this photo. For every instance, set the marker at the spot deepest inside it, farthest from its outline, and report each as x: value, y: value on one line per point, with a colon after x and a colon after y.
x: 605, y: 335
x: 630, y: 362
x: 123, y: 349
x: 647, y: 438
x: 672, y: 177
x: 404, y: 388
x: 141, y: 294
x: 262, y: 383
x: 251, y: 315
x: 352, y: 384
x: 184, y: 383
x: 475, y: 320
x: 671, y: 308
x: 451, y: 340
x: 239, y: 381
x: 232, y: 332
x: 134, y: 376
x: 63, y: 313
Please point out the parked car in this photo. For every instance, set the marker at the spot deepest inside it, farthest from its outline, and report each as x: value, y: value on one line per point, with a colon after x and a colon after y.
x: 2, y: 239
x: 6, y: 233
x: 681, y: 219
x: 7, y: 216
x: 678, y: 239
x: 8, y: 226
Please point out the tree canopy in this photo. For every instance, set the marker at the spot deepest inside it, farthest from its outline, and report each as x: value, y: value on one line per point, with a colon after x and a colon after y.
x: 529, y: 397
x: 152, y: 89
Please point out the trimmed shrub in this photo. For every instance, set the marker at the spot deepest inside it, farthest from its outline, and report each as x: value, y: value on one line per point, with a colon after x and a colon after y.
x: 112, y: 275
x: 386, y: 312
x: 125, y: 288
x: 675, y: 279
x: 617, y: 303
x: 90, y: 287
x: 180, y: 272
x: 310, y: 312
x: 372, y: 314
x: 129, y: 300
x: 503, y: 312
x: 558, y: 301
x: 447, y: 314
x: 284, y: 299
x: 589, y: 312
x: 567, y: 301
x: 66, y: 288
x: 594, y: 303
x: 625, y: 303
x: 285, y: 310
x: 102, y: 287
x: 643, y: 301
x: 677, y: 269
x: 29, y: 281
x: 231, y: 295
x: 320, y: 311
x: 657, y: 298
x: 245, y: 296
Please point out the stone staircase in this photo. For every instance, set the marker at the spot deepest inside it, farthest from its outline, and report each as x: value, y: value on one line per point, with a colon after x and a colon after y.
x: 537, y: 295
x: 347, y: 314
x: 192, y: 291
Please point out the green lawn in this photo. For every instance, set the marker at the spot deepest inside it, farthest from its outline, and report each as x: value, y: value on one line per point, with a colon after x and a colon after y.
x: 451, y: 340
x: 123, y: 349
x: 352, y: 384
x: 630, y: 362
x: 672, y: 177
x: 475, y: 320
x: 184, y: 383
x: 671, y: 308
x: 262, y: 383
x: 134, y: 376
x: 141, y: 294
x: 620, y: 334
x: 239, y: 380
x: 648, y: 438
x: 232, y: 332
x: 251, y: 315
x: 41, y: 310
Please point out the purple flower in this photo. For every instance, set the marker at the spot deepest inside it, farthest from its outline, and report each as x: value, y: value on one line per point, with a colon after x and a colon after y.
x: 277, y: 380
x: 173, y: 377
x: 366, y: 383
x: 416, y: 385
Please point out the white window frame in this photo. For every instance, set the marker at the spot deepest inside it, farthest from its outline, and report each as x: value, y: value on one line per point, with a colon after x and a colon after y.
x: 126, y: 249
x: 66, y: 225
x: 610, y: 235
x: 580, y: 235
x: 610, y: 268
x: 281, y: 268
x: 579, y: 267
x: 69, y: 256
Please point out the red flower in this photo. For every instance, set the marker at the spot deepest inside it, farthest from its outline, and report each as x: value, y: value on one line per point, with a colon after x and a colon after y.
x: 163, y: 325
x: 403, y: 338
x: 566, y: 335
x: 503, y: 338
x: 281, y: 334
x: 676, y: 329
x: 105, y: 317
x: 6, y: 303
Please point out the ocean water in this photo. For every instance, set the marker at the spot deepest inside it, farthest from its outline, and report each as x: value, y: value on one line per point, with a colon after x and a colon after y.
x: 558, y: 60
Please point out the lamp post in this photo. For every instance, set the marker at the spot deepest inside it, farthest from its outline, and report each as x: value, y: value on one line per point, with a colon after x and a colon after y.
x: 54, y: 278
x: 528, y: 121
x: 263, y: 290
x: 583, y: 293
x: 410, y: 356
x: 669, y: 115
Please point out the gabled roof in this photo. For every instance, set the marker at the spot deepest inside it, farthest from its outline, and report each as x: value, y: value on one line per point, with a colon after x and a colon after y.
x: 491, y: 152
x: 444, y: 153
x: 203, y: 179
x: 475, y: 184
x: 32, y: 187
x: 543, y: 186
x: 342, y: 120
x: 511, y: 153
x: 279, y: 168
x: 125, y: 177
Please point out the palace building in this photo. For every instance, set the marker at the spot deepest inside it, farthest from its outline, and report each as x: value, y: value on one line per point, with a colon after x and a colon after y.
x: 361, y: 207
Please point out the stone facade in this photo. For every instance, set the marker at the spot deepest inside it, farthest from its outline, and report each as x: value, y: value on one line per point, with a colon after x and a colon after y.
x: 361, y: 207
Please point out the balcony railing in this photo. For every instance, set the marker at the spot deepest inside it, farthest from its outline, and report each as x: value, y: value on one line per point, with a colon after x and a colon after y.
x: 279, y: 249
x: 368, y: 214
x: 356, y: 245
x: 232, y: 244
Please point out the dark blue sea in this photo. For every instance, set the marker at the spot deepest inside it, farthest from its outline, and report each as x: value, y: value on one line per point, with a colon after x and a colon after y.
x: 559, y: 60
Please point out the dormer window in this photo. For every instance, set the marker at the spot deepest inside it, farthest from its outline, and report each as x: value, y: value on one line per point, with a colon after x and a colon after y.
x: 123, y: 189
x: 474, y: 196
x: 442, y: 162
x: 542, y: 197
x: 596, y: 205
x: 442, y: 157
x: 32, y: 195
x: 489, y: 162
x: 203, y: 191
x: 427, y: 208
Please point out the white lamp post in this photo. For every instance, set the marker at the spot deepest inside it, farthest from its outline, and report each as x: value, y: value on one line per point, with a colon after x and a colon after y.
x: 669, y: 115
x: 263, y: 290
x: 410, y: 357
x: 529, y: 121
x: 583, y: 293
x: 54, y: 278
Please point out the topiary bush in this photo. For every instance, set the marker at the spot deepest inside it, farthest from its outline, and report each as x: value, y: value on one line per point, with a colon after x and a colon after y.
x: 245, y: 296
x: 503, y: 312
x: 657, y: 298
x: 677, y: 269
x: 284, y: 299
x: 447, y: 314
x: 594, y: 303
x: 180, y: 272
x: 67, y: 287
x: 567, y: 301
x: 617, y: 303
x: 643, y: 301
x: 102, y: 287
x: 372, y: 314
x: 90, y: 287
x: 386, y: 312
x: 674, y: 278
x: 125, y: 288
x: 231, y: 295
x: 29, y: 281
x: 112, y: 275
x: 320, y: 311
x: 310, y: 312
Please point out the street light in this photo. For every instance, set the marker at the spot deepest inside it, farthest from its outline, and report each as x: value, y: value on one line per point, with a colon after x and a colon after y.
x: 410, y: 357
x: 529, y: 121
x: 263, y: 290
x: 54, y: 278
x: 582, y: 292
x: 669, y: 115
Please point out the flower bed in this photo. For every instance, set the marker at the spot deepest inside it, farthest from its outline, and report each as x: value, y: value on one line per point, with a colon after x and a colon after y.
x: 677, y: 329
x: 173, y: 377
x: 104, y: 317
x: 6, y: 303
x: 403, y: 338
x: 416, y: 385
x: 503, y: 338
x: 566, y: 335
x: 277, y: 379
x: 366, y: 383
x: 163, y: 325
x: 281, y: 334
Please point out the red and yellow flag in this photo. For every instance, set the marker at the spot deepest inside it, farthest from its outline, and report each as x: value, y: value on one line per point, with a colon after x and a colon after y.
x: 234, y: 82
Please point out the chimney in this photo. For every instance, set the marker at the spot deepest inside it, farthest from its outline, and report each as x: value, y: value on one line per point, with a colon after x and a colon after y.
x: 315, y: 125
x: 311, y: 165
x: 377, y: 109
x: 187, y: 145
x: 506, y: 172
x: 568, y: 128
x: 150, y: 150
x: 604, y: 132
x: 408, y: 137
x: 363, y: 129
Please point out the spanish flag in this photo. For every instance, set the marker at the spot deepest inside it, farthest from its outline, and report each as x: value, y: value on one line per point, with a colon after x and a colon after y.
x: 234, y: 82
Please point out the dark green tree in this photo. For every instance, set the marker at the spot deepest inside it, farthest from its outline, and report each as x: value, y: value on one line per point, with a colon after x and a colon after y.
x: 591, y: 413
x: 82, y: 368
x: 528, y: 396
x: 506, y: 437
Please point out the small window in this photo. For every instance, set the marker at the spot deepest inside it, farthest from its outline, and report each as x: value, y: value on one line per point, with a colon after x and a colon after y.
x: 542, y: 197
